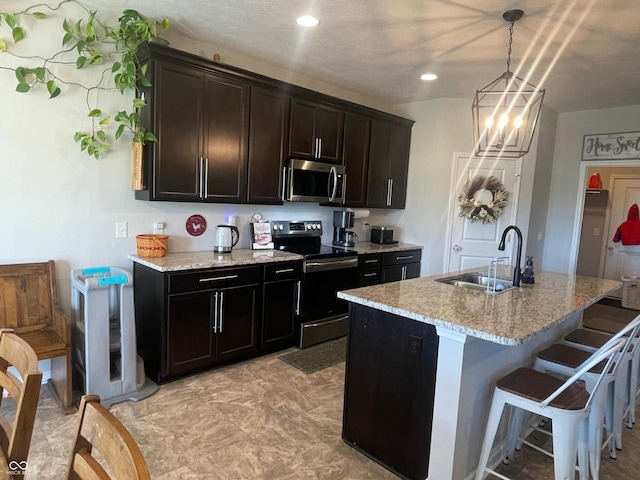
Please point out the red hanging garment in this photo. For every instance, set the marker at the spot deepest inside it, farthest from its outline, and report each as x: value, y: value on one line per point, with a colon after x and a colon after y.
x: 629, y: 231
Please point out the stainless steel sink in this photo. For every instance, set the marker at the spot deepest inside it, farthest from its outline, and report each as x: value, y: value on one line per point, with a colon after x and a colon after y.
x: 478, y: 281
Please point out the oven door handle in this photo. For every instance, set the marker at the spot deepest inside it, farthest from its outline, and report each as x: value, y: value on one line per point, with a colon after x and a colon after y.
x: 323, y: 265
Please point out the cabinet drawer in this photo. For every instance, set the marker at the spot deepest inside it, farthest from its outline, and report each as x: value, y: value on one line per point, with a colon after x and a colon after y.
x: 399, y: 258
x: 213, y: 278
x: 282, y: 271
x: 369, y: 260
x: 368, y: 276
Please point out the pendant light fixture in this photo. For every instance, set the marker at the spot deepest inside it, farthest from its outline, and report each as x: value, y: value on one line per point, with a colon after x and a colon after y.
x: 506, y: 111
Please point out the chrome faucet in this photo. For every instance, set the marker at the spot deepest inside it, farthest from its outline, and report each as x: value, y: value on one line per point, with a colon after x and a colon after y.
x: 516, y: 272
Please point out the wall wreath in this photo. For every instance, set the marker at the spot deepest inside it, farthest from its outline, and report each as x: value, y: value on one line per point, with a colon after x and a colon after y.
x: 483, y: 199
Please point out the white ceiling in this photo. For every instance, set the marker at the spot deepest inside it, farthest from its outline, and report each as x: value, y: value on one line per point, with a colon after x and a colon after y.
x: 586, y: 53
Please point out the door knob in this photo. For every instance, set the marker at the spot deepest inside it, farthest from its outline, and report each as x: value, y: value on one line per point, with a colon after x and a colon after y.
x: 456, y: 248
x: 609, y: 247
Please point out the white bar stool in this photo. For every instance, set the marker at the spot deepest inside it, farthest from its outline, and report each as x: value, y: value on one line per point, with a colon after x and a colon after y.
x: 566, y: 403
x: 607, y: 405
x: 589, y: 337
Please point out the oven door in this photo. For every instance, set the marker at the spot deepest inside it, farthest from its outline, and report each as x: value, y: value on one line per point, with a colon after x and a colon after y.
x: 323, y: 314
x: 307, y: 181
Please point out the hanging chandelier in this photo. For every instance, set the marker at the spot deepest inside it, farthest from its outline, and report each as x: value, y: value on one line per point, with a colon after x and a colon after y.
x: 506, y: 111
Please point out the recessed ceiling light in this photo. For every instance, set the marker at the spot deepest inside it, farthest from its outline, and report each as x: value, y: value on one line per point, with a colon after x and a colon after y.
x: 429, y: 77
x: 307, y: 21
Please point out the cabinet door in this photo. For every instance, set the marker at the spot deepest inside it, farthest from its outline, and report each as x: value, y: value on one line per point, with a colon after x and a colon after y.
x: 316, y: 131
x: 269, y: 128
x: 329, y: 129
x: 302, y: 138
x: 378, y: 174
x: 225, y: 127
x: 399, y: 143
x: 357, y: 129
x: 412, y: 271
x: 189, y: 332
x: 279, y: 313
x: 175, y: 174
x: 237, y: 320
x: 392, y: 273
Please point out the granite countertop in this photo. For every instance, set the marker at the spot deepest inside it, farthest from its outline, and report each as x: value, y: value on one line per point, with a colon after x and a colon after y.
x: 509, y: 318
x: 173, y: 262
x: 368, y: 247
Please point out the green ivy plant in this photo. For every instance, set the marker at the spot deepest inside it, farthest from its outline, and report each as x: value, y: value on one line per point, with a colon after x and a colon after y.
x: 89, y: 42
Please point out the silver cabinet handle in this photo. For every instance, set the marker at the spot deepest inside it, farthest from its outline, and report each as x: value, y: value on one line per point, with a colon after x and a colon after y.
x: 404, y: 272
x: 206, y: 178
x: 200, y: 176
x: 344, y: 188
x: 319, y: 147
x: 370, y: 275
x: 221, y: 311
x: 284, y: 270
x: 390, y: 191
x: 316, y: 148
x: 215, y: 313
x: 213, y: 279
x: 284, y: 182
x: 298, y: 298
x: 405, y: 257
x: 371, y: 261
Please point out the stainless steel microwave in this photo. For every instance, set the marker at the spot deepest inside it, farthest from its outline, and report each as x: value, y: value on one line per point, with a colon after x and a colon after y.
x: 307, y: 181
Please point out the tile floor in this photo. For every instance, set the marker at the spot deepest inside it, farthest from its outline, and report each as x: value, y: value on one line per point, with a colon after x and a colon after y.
x: 260, y: 419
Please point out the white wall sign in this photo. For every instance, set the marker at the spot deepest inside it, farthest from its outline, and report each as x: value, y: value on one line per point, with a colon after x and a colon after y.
x: 606, y: 146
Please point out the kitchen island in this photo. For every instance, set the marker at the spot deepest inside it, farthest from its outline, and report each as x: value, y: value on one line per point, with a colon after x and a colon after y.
x: 423, y: 357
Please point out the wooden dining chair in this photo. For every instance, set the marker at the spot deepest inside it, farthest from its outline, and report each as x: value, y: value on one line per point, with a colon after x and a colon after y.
x: 103, y: 448
x: 16, y: 428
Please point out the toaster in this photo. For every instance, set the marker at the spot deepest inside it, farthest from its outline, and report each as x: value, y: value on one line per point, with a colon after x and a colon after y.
x: 382, y: 234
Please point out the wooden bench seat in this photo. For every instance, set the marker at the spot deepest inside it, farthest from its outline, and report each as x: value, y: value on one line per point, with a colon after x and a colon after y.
x: 29, y: 306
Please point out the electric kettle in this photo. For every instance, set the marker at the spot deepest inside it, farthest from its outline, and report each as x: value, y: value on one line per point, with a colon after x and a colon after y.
x: 227, y: 237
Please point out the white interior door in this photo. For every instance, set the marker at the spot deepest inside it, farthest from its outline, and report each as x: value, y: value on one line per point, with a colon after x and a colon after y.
x: 621, y: 259
x: 475, y: 244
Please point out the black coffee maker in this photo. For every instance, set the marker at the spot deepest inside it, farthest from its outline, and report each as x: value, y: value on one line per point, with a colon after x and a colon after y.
x: 341, y: 236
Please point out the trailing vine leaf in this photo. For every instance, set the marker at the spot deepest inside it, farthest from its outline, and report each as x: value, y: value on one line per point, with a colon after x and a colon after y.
x: 18, y: 34
x: 53, y: 89
x: 23, y: 87
x: 3, y: 45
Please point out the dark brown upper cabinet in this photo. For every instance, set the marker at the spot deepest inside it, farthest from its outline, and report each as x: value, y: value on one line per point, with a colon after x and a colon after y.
x: 225, y: 134
x: 269, y: 129
x: 388, y: 164
x: 316, y: 131
x: 202, y: 123
x: 357, y: 129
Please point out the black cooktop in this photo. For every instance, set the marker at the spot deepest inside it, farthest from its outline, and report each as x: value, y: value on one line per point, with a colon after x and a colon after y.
x: 311, y: 251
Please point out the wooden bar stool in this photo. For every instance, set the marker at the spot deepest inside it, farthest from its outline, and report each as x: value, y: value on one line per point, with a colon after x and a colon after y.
x: 566, y: 403
x: 606, y: 409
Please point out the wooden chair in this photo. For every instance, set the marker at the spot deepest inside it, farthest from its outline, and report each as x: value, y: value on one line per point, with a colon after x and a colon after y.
x: 15, y: 436
x: 29, y: 306
x: 99, y: 431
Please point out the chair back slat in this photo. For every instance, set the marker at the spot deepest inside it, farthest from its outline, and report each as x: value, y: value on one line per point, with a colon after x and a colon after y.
x: 25, y: 295
x: 100, y: 431
x: 15, y: 437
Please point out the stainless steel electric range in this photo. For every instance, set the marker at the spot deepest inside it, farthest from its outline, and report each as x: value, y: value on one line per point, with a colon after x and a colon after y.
x: 326, y: 270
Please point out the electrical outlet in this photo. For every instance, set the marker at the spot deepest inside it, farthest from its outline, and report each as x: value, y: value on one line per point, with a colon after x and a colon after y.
x: 158, y: 227
x: 539, y: 236
x: 596, y: 232
x: 121, y: 230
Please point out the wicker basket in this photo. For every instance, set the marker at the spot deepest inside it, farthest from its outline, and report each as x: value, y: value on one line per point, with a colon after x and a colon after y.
x: 152, y: 245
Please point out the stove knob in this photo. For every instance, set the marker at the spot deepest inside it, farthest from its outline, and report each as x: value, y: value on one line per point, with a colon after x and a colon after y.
x: 275, y: 227
x: 317, y: 226
x: 309, y: 226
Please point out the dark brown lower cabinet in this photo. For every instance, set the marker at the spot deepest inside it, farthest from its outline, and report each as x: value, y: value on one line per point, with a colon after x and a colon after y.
x: 193, y: 320
x: 281, y: 305
x: 390, y: 390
